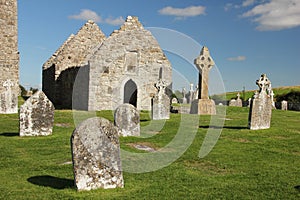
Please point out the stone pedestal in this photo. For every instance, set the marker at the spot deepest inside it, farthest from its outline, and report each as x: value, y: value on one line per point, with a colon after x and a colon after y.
x: 161, y: 107
x: 203, y: 107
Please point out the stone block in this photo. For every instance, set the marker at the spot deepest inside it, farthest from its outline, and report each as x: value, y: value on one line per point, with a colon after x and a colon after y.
x: 36, y: 116
x: 96, y: 155
x: 203, y: 107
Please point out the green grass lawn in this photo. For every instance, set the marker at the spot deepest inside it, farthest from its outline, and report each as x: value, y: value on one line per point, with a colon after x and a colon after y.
x: 244, y: 164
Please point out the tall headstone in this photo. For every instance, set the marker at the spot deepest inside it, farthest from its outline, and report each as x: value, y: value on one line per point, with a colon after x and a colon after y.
x: 284, y: 105
x: 184, y: 99
x: 36, y: 116
x: 204, y: 105
x: 272, y: 98
x: 9, y: 57
x: 261, y: 106
x: 127, y: 119
x: 96, y: 155
x: 161, y: 102
x: 196, y: 93
x: 191, y: 96
x: 249, y: 102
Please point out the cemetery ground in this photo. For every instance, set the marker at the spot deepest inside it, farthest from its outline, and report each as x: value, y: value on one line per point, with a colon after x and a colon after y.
x: 244, y: 164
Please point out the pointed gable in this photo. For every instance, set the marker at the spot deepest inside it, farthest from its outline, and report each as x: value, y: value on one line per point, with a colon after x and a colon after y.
x: 76, y: 48
x: 131, y: 23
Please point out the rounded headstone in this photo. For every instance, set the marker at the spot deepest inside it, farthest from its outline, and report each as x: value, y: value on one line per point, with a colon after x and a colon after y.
x: 127, y: 119
x: 96, y: 155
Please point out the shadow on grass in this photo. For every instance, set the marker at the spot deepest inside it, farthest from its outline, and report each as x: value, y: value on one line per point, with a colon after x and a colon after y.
x: 51, y: 181
x: 9, y: 134
x: 297, y: 187
x: 226, y: 127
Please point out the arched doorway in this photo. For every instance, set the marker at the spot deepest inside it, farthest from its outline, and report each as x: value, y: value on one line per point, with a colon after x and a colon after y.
x: 130, y: 93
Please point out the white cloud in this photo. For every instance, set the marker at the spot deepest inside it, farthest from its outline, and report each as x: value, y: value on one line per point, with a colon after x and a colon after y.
x: 276, y: 15
x: 245, y: 3
x: 190, y: 11
x: 115, y: 22
x: 238, y: 58
x: 87, y: 14
x: 248, y: 3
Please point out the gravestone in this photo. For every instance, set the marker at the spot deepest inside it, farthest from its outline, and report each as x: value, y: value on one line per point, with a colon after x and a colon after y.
x: 127, y: 119
x: 203, y: 105
x: 261, y: 106
x: 249, y: 102
x: 232, y: 102
x: 96, y: 155
x: 184, y: 99
x: 236, y: 102
x: 36, y: 116
x: 174, y: 100
x: 196, y: 93
x: 284, y: 105
x: 161, y: 102
x: 191, y: 96
x: 272, y: 97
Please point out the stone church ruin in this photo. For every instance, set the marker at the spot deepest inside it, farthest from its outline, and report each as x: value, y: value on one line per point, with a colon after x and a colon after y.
x: 92, y: 72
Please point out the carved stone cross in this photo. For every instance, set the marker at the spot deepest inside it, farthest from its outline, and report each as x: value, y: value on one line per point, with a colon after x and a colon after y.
x: 160, y: 85
x: 263, y: 83
x: 204, y: 63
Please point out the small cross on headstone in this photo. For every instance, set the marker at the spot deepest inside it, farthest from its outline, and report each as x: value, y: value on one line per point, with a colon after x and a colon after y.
x: 8, y: 84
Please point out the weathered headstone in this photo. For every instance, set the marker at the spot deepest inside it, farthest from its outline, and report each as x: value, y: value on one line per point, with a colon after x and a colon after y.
x: 203, y: 105
x: 127, y: 119
x: 249, y: 102
x: 284, y: 105
x: 261, y: 106
x: 196, y: 93
x: 184, y: 99
x: 174, y: 100
x: 232, y: 102
x: 236, y: 102
x: 161, y: 102
x: 36, y: 116
x: 272, y: 97
x: 96, y: 155
x: 191, y: 94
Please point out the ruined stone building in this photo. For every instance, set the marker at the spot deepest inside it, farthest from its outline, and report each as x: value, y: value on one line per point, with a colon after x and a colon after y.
x: 60, y: 71
x: 9, y: 57
x: 91, y: 72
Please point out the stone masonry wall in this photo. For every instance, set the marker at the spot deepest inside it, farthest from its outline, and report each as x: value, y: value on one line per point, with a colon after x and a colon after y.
x: 129, y: 54
x: 60, y: 71
x: 9, y: 57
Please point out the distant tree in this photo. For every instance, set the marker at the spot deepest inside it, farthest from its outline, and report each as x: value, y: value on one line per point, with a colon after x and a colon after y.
x: 23, y: 90
x: 34, y: 90
x: 293, y: 97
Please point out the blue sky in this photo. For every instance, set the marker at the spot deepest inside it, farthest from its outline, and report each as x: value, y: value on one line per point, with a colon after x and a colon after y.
x: 246, y: 38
